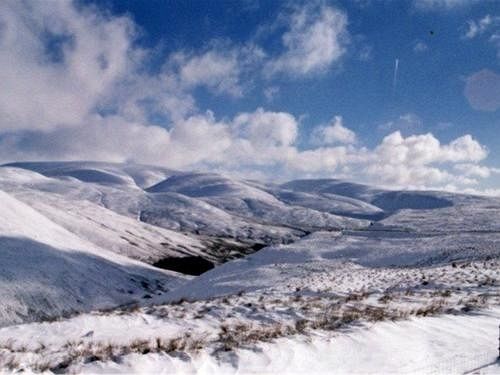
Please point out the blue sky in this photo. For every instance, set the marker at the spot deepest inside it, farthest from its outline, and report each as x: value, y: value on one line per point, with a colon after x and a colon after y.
x: 268, y: 89
x: 430, y: 82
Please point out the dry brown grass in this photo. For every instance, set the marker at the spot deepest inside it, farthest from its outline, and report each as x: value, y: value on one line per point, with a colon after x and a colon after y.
x: 232, y: 337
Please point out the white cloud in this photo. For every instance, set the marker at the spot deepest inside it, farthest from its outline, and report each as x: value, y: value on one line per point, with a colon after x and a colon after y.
x: 488, y: 25
x: 413, y: 161
x: 319, y: 160
x: 45, y: 86
x: 426, y: 149
x: 138, y: 97
x: 464, y: 148
x: 479, y: 27
x: 474, y: 170
x: 257, y: 142
x: 267, y: 128
x: 316, y: 39
x: 110, y: 139
x: 220, y: 69
x: 197, y: 139
x: 418, y: 161
x: 335, y: 132
x: 217, y: 71
x: 482, y: 90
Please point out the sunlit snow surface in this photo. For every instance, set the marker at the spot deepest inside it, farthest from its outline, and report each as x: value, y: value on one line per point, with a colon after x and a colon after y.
x: 354, y: 278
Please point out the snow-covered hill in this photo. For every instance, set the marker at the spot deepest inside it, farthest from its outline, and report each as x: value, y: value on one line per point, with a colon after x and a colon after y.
x: 105, y: 214
x: 304, y: 258
x: 201, y: 204
x: 243, y: 200
x: 47, y: 271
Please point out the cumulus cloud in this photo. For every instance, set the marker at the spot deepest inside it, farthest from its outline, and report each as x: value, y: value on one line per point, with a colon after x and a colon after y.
x: 474, y: 170
x: 482, y: 90
x: 316, y: 38
x: 110, y: 139
x: 56, y: 62
x: 414, y: 160
x: 267, y: 128
x: 258, y: 142
x: 426, y: 149
x: 262, y: 138
x: 320, y: 159
x: 73, y: 87
x: 197, y: 139
x: 418, y: 161
x: 335, y: 132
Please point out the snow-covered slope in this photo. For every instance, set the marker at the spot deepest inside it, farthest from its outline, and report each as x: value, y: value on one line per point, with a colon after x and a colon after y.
x: 99, y: 172
x: 202, y: 204
x: 46, y: 271
x: 243, y: 200
x: 79, y: 209
x: 417, y: 229
x: 388, y: 201
x: 451, y: 344
x: 332, y: 186
x: 324, y: 253
x: 327, y: 202
x: 462, y: 213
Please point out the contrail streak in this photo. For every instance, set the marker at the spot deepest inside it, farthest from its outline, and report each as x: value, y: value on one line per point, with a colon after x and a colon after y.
x: 395, y: 79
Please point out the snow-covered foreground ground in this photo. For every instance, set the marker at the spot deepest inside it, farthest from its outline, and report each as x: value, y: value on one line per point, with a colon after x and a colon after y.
x: 442, y: 345
x: 350, y: 278
x: 271, y: 332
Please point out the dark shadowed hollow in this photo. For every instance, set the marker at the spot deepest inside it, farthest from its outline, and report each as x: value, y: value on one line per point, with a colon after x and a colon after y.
x: 191, y: 265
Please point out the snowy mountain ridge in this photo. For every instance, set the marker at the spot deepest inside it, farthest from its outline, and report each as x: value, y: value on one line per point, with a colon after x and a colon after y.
x: 94, y: 245
x: 121, y: 211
